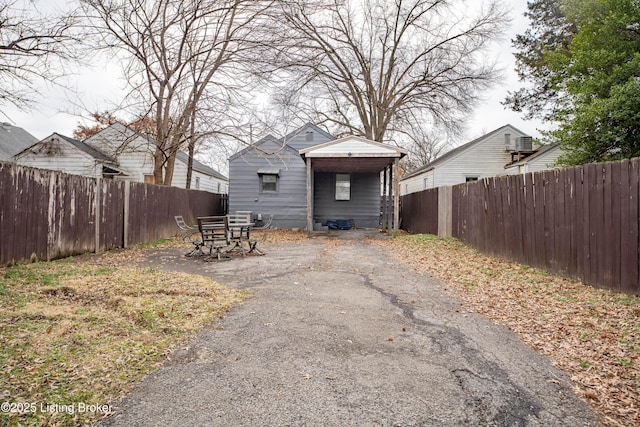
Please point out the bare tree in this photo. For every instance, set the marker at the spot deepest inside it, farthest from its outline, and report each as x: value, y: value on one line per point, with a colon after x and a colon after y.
x: 33, y: 49
x: 382, y: 68
x: 177, y: 54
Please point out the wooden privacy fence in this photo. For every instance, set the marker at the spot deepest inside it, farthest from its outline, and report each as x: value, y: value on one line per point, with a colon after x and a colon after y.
x: 581, y: 222
x: 420, y: 212
x: 48, y: 214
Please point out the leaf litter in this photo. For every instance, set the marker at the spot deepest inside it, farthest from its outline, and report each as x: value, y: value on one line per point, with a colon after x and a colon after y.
x: 592, y: 334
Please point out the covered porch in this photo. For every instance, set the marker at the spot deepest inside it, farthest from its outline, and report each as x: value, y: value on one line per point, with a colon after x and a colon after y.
x: 346, y: 180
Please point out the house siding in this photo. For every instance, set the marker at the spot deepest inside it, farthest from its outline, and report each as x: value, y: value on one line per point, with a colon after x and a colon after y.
x: 542, y: 162
x: 289, y: 204
x: 60, y: 157
x: 485, y: 158
x: 363, y: 208
x: 135, y: 157
x: 207, y: 182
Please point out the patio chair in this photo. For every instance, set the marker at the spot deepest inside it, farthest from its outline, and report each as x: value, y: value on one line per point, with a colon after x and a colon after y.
x: 215, y: 235
x: 190, y: 233
x: 259, y: 235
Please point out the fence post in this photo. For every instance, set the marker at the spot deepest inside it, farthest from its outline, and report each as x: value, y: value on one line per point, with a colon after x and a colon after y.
x: 445, y: 211
x: 98, y: 212
x: 125, y: 222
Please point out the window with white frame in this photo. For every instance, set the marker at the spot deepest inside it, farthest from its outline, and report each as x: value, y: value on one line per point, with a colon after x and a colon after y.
x: 268, y: 183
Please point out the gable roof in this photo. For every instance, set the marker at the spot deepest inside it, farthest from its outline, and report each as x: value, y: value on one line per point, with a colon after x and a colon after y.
x: 98, y: 155
x: 14, y: 140
x: 86, y: 149
x: 452, y: 153
x: 281, y: 141
x: 353, y: 154
x: 353, y: 146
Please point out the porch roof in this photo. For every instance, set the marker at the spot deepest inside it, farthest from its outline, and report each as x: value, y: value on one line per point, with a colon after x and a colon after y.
x: 352, y: 154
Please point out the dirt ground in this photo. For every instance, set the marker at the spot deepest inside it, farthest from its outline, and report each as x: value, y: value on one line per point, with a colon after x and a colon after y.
x: 336, y: 333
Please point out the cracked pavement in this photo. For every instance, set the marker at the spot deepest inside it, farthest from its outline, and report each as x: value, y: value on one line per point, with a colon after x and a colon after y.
x: 336, y: 333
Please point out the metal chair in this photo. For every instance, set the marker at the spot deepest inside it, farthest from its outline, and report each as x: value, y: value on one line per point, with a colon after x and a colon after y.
x: 190, y: 233
x: 215, y: 235
x: 253, y: 242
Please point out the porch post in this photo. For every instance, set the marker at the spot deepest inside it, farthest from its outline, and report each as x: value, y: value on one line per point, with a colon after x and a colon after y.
x: 384, y: 198
x: 309, y: 198
x: 396, y: 197
x: 390, y: 215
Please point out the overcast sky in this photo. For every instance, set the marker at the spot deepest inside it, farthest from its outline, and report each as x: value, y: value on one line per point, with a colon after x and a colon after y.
x: 100, y: 88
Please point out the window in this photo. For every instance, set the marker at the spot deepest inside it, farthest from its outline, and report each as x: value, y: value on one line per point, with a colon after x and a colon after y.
x: 149, y: 179
x: 343, y: 186
x: 268, y: 183
x: 197, y: 182
x: 470, y: 178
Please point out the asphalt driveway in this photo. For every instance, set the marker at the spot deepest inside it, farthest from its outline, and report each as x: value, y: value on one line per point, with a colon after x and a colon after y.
x: 335, y: 333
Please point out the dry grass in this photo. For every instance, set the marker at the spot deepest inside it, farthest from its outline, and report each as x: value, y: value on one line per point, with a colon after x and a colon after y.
x: 84, y: 330
x: 592, y: 334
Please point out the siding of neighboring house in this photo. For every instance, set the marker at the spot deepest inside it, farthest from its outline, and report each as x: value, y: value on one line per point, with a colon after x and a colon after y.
x: 199, y: 180
x: 481, y: 158
x: 54, y: 153
x: 541, y: 161
x: 135, y: 157
x: 288, y: 204
x: 364, y: 206
x: 133, y: 152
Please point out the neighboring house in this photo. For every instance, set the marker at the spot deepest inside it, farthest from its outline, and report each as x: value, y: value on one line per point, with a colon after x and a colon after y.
x: 308, y: 178
x: 134, y: 153
x: 481, y: 158
x: 59, y: 152
x: 119, y: 153
x: 13, y: 140
x: 544, y: 158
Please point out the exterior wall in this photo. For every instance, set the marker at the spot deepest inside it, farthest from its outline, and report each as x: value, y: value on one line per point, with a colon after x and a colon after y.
x: 61, y: 156
x: 207, y: 182
x: 135, y: 157
x: 134, y: 153
x: 417, y: 183
x: 483, y: 159
x: 363, y: 208
x: 544, y: 161
x: 289, y: 204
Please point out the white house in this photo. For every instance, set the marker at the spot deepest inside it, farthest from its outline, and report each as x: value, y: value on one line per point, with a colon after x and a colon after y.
x: 13, y: 140
x: 481, y: 158
x: 135, y: 157
x: 119, y: 153
x: 59, y: 152
x: 544, y: 158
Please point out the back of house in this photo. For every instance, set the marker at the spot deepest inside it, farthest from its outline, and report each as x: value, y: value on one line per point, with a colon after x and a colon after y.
x: 269, y: 177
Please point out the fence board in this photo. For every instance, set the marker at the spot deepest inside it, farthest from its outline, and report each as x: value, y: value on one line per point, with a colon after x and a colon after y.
x: 630, y: 244
x: 51, y: 214
x: 581, y: 222
x: 529, y: 235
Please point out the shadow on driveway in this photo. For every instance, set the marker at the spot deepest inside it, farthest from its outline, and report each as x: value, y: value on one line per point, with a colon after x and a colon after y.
x: 336, y: 333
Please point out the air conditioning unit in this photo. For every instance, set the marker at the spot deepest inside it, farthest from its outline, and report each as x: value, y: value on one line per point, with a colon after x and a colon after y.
x: 524, y: 143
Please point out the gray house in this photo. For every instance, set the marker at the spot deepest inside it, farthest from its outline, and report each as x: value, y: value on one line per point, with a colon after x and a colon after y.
x: 308, y: 178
